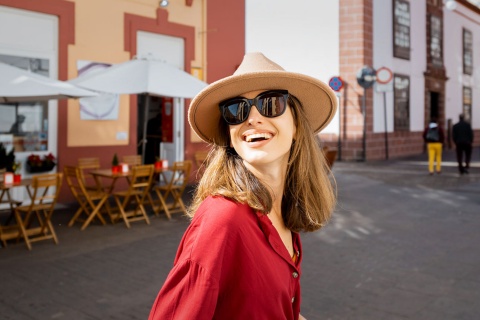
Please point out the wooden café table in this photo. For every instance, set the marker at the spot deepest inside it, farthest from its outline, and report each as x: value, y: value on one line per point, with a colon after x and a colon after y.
x: 102, y: 175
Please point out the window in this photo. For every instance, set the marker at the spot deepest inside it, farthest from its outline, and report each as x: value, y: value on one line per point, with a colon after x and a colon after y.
x: 25, y: 125
x: 401, y: 29
x: 467, y: 52
x: 467, y: 103
x: 436, y: 40
x: 401, y: 96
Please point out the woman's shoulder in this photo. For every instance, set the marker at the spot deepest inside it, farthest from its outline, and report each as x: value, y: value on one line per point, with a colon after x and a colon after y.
x: 216, y: 222
x: 219, y: 211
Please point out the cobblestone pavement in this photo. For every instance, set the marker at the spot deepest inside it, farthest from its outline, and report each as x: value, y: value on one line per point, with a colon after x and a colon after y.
x: 401, y: 245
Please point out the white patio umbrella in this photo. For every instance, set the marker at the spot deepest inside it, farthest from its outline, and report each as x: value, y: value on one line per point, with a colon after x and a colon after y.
x: 18, y: 85
x: 143, y: 76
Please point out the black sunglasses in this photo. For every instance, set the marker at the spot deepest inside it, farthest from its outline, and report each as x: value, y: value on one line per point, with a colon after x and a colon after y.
x: 269, y: 104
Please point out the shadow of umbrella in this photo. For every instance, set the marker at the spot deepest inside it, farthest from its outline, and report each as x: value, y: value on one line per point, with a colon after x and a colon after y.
x: 143, y: 76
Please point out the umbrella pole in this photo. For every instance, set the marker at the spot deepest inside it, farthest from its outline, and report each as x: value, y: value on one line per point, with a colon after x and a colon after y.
x: 145, y: 121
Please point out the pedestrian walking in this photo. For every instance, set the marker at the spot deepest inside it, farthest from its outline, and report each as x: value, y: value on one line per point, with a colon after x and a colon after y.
x: 434, y: 137
x: 462, y: 135
x: 266, y: 181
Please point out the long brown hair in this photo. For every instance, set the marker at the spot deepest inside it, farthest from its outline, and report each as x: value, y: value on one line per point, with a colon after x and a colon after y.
x: 308, y: 199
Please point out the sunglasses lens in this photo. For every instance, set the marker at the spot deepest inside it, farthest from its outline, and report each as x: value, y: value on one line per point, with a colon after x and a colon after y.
x: 235, y: 111
x: 272, y: 104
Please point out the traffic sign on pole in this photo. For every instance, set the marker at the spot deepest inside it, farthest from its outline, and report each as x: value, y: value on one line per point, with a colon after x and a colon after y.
x: 384, y: 75
x: 366, y: 77
x: 336, y: 83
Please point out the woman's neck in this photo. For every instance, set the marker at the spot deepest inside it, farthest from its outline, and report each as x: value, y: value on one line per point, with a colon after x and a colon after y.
x: 273, y: 177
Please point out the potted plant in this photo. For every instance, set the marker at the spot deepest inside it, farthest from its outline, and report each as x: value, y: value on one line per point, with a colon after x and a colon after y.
x: 115, y: 164
x: 17, y: 177
x: 35, y: 163
x: 7, y: 159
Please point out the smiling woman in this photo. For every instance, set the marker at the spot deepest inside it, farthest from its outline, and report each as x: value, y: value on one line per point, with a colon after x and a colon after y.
x: 266, y: 181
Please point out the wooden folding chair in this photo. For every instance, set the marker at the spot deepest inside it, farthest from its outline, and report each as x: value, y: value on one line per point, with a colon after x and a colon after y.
x: 7, y: 231
x: 330, y: 156
x: 6, y: 198
x: 88, y: 199
x: 34, y: 220
x: 140, y: 184
x: 86, y: 165
x: 175, y: 187
x: 132, y: 160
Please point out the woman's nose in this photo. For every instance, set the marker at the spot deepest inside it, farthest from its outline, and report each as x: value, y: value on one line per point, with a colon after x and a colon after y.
x: 254, y: 116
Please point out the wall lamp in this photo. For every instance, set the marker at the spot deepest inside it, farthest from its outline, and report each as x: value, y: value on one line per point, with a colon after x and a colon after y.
x: 450, y: 4
x: 163, y: 3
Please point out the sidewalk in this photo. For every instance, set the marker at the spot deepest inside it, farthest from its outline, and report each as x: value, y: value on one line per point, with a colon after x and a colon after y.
x: 401, y: 245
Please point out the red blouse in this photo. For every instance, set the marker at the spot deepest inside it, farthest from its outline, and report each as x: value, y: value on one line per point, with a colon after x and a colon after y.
x: 231, y: 264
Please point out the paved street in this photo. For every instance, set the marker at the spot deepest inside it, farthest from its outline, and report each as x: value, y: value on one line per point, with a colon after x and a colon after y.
x: 402, y: 245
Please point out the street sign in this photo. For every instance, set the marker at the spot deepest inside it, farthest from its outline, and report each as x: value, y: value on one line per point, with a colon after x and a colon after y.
x: 384, y: 87
x: 384, y: 75
x: 336, y: 83
x: 366, y: 77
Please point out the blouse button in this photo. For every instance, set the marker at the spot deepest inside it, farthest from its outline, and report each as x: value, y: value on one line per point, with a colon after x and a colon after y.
x: 293, y: 299
x: 295, y: 275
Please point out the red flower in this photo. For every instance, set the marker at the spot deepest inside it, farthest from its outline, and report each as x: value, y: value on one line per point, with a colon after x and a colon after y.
x: 34, y: 160
x: 50, y: 157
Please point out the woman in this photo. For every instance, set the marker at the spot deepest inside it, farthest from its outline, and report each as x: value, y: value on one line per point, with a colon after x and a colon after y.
x: 266, y: 181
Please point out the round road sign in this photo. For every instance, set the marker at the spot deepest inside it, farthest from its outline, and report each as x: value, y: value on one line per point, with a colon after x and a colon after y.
x: 384, y: 75
x: 336, y: 83
x: 366, y: 77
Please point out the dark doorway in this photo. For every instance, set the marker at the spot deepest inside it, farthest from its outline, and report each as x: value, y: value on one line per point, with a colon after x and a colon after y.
x: 154, y: 127
x: 434, y: 106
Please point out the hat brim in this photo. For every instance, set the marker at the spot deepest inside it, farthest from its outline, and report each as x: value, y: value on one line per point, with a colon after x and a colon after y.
x: 318, y: 100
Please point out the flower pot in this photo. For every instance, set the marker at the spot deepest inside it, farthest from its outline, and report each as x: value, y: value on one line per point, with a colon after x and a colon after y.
x: 116, y: 169
x: 42, y: 167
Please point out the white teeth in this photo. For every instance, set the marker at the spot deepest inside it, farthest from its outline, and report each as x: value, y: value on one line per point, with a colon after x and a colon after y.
x: 251, y: 137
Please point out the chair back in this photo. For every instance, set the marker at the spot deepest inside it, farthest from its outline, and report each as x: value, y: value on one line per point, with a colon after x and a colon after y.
x: 86, y: 165
x: 141, y: 177
x: 180, y: 174
x: 200, y: 158
x: 89, y: 163
x: 132, y: 160
x: 41, y: 190
x: 74, y: 178
x: 201, y: 161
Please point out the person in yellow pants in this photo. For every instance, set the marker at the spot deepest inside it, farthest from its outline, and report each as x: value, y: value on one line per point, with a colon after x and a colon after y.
x: 434, y: 137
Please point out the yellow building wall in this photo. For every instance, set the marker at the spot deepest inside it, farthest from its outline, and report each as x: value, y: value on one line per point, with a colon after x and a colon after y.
x: 99, y: 37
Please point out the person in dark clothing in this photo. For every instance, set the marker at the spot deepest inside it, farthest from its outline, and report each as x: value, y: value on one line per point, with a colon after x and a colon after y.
x: 17, y: 127
x: 462, y: 135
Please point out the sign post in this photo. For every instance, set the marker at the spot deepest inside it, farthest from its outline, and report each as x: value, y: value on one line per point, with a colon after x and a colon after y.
x: 365, y: 78
x: 336, y: 83
x: 384, y: 84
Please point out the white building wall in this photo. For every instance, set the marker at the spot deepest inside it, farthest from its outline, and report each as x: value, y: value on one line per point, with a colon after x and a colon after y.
x: 301, y: 36
x: 454, y: 22
x: 32, y: 35
x: 413, y: 68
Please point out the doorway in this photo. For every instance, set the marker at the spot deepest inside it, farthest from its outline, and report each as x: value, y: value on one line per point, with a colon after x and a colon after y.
x: 171, y: 50
x: 434, y: 105
x: 154, y: 127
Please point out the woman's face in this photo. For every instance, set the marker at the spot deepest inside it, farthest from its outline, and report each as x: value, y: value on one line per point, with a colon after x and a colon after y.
x: 263, y: 141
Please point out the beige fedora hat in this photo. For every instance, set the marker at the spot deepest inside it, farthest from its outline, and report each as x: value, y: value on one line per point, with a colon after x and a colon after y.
x: 257, y: 72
